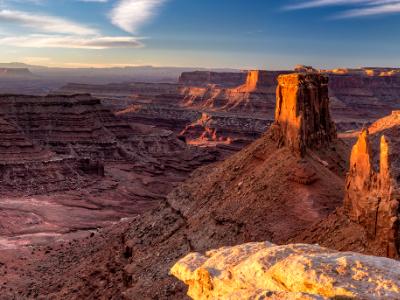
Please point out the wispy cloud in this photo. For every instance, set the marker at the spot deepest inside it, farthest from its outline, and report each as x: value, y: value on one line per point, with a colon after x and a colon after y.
x: 43, y: 30
x: 44, y: 23
x: 130, y: 15
x: 47, y: 31
x: 73, y: 42
x: 381, y: 9
x: 355, y: 8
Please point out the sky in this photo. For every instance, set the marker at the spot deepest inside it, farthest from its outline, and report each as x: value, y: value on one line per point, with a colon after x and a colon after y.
x: 245, y: 34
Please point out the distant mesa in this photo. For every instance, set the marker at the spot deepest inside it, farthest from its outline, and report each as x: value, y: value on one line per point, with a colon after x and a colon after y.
x: 16, y: 73
x: 204, y: 78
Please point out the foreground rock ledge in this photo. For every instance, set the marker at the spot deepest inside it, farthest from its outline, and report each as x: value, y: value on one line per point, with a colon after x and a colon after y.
x: 299, y: 271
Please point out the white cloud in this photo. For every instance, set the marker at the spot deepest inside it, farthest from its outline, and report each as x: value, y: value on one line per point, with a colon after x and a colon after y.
x: 130, y: 15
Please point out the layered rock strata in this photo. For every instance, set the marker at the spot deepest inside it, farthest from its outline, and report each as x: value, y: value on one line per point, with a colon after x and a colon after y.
x: 76, y: 125
x: 299, y: 271
x: 27, y: 167
x: 302, y: 117
x: 372, y: 197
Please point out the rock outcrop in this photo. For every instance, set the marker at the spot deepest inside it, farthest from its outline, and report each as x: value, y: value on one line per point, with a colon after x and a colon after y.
x: 302, y: 117
x: 224, y: 129
x: 372, y: 197
x: 298, y: 271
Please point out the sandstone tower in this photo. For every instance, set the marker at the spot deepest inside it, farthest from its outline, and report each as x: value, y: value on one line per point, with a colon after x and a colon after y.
x: 302, y: 117
x: 372, y: 198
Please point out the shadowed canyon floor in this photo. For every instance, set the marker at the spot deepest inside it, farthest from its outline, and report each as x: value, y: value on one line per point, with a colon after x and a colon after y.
x: 68, y: 164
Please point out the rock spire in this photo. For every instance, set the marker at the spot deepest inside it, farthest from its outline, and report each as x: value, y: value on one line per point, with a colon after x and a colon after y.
x: 372, y: 198
x: 302, y: 117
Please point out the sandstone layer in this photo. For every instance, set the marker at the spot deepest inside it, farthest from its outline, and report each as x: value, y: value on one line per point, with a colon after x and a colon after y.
x: 299, y: 271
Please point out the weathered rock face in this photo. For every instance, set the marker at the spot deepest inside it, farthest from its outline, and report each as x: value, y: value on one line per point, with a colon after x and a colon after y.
x: 302, y: 117
x: 372, y: 197
x: 299, y: 271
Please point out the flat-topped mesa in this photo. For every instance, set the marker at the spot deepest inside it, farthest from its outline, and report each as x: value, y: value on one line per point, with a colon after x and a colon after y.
x: 302, y: 117
x: 372, y: 197
x: 204, y: 78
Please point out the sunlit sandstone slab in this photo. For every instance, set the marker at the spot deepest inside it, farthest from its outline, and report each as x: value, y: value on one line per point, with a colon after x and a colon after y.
x: 297, y: 271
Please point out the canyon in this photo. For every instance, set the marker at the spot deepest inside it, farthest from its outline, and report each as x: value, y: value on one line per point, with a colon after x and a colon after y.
x: 107, y: 187
x: 243, y: 99
x: 69, y: 165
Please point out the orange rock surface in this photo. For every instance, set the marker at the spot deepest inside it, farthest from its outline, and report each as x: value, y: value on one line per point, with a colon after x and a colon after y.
x: 267, y: 271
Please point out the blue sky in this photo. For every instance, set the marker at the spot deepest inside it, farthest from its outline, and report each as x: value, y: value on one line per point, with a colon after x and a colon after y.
x: 205, y: 33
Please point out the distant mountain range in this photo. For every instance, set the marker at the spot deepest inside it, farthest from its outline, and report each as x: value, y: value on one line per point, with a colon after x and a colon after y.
x: 106, y: 75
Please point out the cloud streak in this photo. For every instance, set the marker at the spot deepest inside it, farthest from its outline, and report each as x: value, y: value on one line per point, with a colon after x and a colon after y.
x: 72, y: 42
x: 44, y: 23
x: 356, y: 8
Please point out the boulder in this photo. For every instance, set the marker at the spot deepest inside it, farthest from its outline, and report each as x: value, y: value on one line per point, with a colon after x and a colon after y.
x: 297, y: 271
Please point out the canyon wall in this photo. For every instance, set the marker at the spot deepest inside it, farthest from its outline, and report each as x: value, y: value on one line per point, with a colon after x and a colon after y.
x: 26, y: 167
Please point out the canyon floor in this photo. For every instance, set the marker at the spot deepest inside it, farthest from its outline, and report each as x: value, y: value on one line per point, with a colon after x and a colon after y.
x: 102, y: 195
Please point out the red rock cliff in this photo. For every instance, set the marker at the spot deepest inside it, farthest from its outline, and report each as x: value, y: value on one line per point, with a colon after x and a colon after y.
x: 372, y: 198
x: 302, y: 117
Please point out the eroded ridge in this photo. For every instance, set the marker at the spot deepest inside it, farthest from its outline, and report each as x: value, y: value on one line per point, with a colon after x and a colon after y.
x: 372, y: 197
